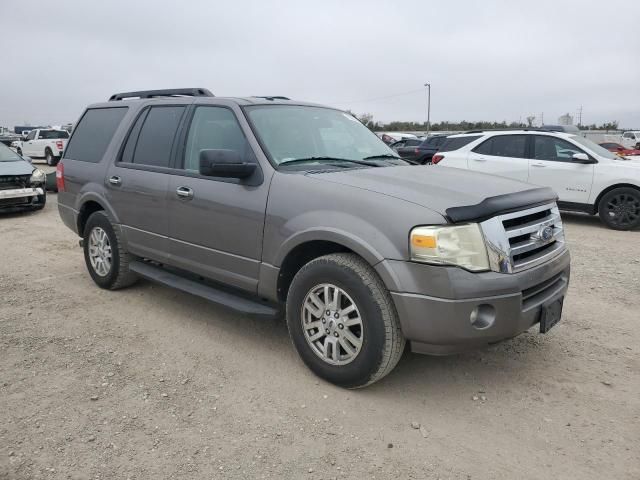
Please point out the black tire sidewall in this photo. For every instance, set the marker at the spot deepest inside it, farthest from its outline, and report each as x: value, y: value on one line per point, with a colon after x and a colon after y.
x: 364, y: 366
x: 99, y: 219
x: 602, y: 207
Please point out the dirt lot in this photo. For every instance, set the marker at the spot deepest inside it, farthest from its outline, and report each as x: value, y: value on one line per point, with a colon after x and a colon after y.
x: 152, y: 383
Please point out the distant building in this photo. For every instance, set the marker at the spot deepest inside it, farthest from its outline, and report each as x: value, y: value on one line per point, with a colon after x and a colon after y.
x: 565, y: 119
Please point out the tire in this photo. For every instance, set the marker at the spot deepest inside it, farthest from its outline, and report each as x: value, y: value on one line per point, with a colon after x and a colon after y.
x: 619, y: 209
x: 117, y: 275
x: 381, y: 339
x: 51, y: 160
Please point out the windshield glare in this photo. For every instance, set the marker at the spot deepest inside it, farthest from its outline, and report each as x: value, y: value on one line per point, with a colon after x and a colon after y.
x: 594, y: 147
x: 290, y: 132
x: 8, y: 155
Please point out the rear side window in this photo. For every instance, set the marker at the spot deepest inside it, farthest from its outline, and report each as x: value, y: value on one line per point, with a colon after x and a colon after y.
x: 151, y: 138
x: 457, y: 142
x: 504, y: 146
x: 412, y: 143
x: 93, y: 134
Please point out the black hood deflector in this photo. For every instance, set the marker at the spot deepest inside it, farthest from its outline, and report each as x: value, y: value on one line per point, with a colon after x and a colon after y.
x: 492, y: 206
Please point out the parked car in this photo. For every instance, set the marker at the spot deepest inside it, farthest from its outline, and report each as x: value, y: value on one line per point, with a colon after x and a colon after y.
x: 587, y: 177
x: 44, y: 143
x: 631, y: 139
x: 392, y: 137
x: 22, y: 186
x: 263, y: 204
x: 421, y: 152
x: 620, y: 150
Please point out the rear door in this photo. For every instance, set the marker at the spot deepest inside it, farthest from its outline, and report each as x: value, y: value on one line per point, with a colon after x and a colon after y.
x: 137, y: 182
x: 552, y: 166
x: 503, y: 155
x: 216, y: 224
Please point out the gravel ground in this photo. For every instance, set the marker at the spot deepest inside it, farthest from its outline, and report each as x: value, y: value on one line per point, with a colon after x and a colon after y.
x: 149, y: 383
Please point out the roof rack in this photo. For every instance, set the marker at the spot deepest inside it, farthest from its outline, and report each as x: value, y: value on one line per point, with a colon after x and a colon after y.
x: 171, y: 92
x: 525, y: 129
x: 272, y: 97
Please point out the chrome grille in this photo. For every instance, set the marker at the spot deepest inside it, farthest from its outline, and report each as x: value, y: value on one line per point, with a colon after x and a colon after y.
x: 520, y: 240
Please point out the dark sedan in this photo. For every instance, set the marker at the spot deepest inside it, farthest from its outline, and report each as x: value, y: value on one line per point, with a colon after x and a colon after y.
x: 419, y: 150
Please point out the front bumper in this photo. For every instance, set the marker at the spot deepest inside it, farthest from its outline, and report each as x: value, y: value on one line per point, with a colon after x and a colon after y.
x: 17, y: 198
x: 436, y: 304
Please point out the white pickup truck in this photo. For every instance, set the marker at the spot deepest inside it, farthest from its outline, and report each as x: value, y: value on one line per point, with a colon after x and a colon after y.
x: 44, y: 143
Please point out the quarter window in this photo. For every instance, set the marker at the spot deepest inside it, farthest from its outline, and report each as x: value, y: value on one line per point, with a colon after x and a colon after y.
x: 504, y: 146
x: 214, y: 128
x: 93, y: 134
x: 553, y: 149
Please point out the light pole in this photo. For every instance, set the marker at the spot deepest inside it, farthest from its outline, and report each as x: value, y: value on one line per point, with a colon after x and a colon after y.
x: 428, y: 85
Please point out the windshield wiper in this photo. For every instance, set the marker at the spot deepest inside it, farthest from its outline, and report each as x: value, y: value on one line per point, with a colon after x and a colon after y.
x: 328, y: 160
x: 388, y: 155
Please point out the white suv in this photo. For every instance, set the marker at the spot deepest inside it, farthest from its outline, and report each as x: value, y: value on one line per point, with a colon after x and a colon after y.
x: 631, y: 139
x: 585, y: 176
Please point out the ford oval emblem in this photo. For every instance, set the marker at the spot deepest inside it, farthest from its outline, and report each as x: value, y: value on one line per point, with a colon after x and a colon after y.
x: 545, y: 233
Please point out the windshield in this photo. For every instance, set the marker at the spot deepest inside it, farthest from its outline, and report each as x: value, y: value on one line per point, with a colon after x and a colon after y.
x: 293, y: 132
x: 53, y: 134
x: 8, y: 155
x: 594, y: 147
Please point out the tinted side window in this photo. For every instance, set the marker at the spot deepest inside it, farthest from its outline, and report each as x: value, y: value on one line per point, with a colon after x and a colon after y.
x: 504, y: 146
x: 412, y: 143
x: 214, y: 128
x: 156, y: 136
x: 93, y: 134
x: 554, y: 149
x: 31, y: 135
x: 457, y: 142
x: 53, y: 134
x: 132, y: 139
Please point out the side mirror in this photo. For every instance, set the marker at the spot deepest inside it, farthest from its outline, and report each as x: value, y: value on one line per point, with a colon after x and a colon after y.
x: 582, y: 158
x: 224, y: 163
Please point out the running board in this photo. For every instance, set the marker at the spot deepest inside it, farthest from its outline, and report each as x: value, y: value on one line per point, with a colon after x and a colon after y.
x: 227, y: 299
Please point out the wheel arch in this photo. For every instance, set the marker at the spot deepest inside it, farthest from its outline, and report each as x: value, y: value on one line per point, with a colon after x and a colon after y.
x: 596, y: 204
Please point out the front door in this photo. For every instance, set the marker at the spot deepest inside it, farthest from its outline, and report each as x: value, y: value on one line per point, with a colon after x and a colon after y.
x: 552, y: 166
x: 138, y: 181
x: 28, y: 146
x: 216, y: 224
x: 503, y: 155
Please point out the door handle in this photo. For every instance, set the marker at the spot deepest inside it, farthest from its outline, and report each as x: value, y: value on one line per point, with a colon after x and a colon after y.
x: 539, y: 165
x: 480, y: 159
x: 115, y: 180
x: 184, y: 192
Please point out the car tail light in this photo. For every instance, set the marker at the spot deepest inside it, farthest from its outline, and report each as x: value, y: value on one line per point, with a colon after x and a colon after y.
x: 60, y: 176
x: 59, y: 145
x: 436, y: 159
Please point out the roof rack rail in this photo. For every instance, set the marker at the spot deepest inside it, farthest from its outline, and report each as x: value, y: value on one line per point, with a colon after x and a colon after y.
x: 505, y: 129
x: 171, y: 92
x: 272, y: 97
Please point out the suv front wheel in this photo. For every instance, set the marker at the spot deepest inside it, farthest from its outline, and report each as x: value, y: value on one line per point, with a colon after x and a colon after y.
x: 343, y: 322
x: 105, y: 256
x: 620, y: 208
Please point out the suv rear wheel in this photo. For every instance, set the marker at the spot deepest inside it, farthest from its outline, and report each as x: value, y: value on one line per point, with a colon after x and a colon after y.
x: 104, y: 254
x: 620, y: 208
x: 343, y: 322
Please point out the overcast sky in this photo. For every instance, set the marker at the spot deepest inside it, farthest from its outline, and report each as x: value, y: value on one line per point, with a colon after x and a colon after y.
x: 490, y: 60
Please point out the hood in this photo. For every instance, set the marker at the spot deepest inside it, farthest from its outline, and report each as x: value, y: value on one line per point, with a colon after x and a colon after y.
x: 444, y: 189
x: 19, y: 167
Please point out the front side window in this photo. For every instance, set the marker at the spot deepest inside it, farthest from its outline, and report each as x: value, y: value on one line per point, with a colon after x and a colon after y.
x: 553, y: 149
x: 93, y: 134
x: 155, y: 139
x: 293, y: 132
x: 504, y: 146
x: 31, y: 135
x: 214, y: 128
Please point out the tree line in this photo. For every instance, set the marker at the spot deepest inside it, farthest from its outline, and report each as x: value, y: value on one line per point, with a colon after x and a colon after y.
x: 398, y: 126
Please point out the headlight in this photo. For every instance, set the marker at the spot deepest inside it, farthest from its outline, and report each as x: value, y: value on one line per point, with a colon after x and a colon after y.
x: 461, y: 245
x: 38, y: 176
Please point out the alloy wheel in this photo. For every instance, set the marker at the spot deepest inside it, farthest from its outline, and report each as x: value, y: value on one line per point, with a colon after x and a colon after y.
x: 100, y: 252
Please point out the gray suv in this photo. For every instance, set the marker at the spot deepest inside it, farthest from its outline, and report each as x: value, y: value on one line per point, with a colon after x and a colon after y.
x: 265, y: 204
